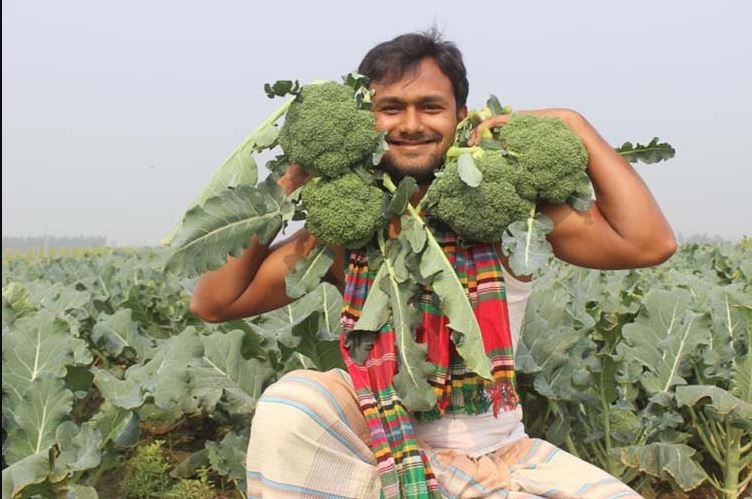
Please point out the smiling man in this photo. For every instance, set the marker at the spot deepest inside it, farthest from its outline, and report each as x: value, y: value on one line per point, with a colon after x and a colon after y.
x: 333, y: 434
x: 420, y: 113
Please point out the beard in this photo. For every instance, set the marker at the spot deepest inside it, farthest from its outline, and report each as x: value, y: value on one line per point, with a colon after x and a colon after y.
x: 423, y: 172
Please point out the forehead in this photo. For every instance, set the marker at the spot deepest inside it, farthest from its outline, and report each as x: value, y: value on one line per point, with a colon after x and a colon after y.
x: 426, y: 79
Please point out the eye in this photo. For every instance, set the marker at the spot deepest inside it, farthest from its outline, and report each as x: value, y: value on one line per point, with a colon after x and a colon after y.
x: 389, y: 109
x: 433, y: 108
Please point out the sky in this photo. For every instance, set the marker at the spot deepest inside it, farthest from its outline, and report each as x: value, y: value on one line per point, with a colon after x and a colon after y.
x: 115, y: 114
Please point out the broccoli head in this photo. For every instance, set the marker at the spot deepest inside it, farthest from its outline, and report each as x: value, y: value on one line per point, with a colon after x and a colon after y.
x: 478, y: 214
x: 550, y: 155
x: 344, y: 211
x: 325, y: 132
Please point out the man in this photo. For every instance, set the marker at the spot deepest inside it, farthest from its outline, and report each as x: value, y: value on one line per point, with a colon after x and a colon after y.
x: 323, y: 446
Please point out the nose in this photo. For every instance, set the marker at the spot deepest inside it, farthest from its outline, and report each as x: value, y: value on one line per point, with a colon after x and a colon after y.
x: 411, y: 122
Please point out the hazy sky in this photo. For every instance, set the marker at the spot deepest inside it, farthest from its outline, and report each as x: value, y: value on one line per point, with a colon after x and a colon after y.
x: 115, y: 114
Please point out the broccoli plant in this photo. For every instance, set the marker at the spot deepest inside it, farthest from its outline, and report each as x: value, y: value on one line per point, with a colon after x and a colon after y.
x: 345, y: 210
x: 326, y: 132
x: 491, y: 192
x: 478, y: 210
x: 550, y: 158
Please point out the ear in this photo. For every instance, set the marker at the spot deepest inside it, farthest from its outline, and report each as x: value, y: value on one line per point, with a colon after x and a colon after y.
x: 462, y: 113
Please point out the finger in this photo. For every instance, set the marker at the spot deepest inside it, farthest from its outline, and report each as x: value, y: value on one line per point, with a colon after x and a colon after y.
x: 492, y: 122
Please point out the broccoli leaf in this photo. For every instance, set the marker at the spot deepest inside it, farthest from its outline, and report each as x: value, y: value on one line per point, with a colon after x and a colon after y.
x: 411, y: 381
x: 381, y: 149
x: 582, y: 198
x: 723, y: 402
x: 526, y: 245
x: 323, y: 352
x: 228, y: 456
x: 653, y: 152
x: 17, y: 298
x: 308, y: 272
x: 28, y: 471
x: 491, y: 144
x: 165, y: 377
x: 375, y: 312
x: 401, y: 197
x: 279, y: 326
x: 436, y: 268
x: 413, y: 230
x: 727, y: 326
x: 665, y: 461
x: 45, y: 404
x: 221, y: 375
x: 239, y: 168
x: 469, y: 172
x: 56, y: 298
x: 438, y: 271
x: 330, y: 309
x: 494, y: 105
x: 80, y: 447
x: 38, y: 346
x: 662, y: 338
x: 741, y: 383
x: 280, y: 88
x: 225, y: 224
x: 118, y: 331
x: 116, y: 425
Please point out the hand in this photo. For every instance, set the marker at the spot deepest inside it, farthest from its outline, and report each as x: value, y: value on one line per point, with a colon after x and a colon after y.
x: 294, y: 177
x: 572, y: 118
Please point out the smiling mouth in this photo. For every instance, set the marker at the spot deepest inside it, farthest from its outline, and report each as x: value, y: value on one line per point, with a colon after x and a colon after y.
x: 403, y: 143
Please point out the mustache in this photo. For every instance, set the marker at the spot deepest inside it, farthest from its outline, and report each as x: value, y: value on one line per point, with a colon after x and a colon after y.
x: 413, y: 138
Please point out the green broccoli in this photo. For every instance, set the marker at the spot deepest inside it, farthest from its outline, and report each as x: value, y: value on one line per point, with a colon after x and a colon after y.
x: 551, y: 157
x: 479, y: 214
x: 344, y: 211
x: 325, y: 132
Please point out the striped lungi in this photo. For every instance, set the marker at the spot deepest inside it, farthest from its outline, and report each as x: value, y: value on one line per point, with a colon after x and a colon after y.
x: 309, y: 439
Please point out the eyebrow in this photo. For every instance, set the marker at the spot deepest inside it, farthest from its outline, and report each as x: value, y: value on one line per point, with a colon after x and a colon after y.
x: 429, y: 99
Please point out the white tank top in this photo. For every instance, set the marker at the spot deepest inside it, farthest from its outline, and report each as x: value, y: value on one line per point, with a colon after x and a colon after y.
x: 484, y: 433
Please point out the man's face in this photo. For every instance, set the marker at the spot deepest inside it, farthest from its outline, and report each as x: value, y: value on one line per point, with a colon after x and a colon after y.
x: 420, y: 115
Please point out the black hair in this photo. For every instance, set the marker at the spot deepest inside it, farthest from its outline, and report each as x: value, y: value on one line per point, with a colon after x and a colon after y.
x: 389, y: 61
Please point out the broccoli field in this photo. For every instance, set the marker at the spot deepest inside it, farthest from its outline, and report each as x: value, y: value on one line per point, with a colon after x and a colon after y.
x: 110, y: 385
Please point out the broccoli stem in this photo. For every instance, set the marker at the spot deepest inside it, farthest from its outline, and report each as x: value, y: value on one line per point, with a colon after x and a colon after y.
x: 457, y: 151
x: 529, y: 235
x: 475, y: 151
x: 270, y: 120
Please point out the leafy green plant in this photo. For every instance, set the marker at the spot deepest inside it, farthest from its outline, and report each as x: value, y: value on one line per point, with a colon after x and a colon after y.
x: 645, y: 373
x: 108, y: 349
x: 593, y: 384
x: 188, y: 488
x: 146, y: 472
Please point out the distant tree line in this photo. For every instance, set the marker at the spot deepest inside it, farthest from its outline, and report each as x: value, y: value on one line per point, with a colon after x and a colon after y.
x: 46, y: 242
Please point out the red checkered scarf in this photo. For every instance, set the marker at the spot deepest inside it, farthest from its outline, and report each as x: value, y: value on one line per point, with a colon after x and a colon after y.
x: 404, y: 467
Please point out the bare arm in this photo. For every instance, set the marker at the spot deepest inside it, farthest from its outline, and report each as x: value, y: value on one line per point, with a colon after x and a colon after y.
x: 624, y: 228
x: 254, y: 282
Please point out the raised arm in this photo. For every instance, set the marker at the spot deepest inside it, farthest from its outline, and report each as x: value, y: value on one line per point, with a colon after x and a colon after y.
x: 254, y: 282
x: 624, y: 228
